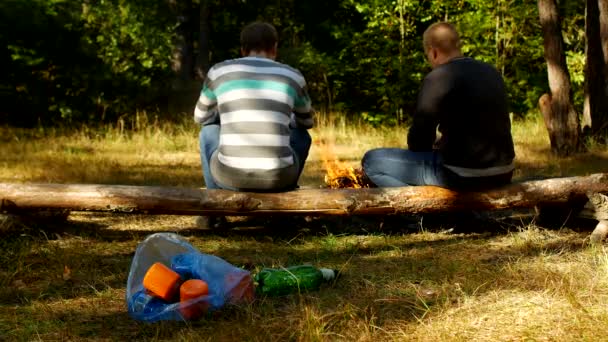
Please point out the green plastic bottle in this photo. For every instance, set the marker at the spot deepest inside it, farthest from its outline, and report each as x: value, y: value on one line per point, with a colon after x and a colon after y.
x: 279, y: 282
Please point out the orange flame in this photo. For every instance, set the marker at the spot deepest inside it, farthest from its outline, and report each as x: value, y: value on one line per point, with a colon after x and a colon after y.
x: 339, y: 175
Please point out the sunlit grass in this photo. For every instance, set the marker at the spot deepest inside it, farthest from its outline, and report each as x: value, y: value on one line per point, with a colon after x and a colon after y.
x: 534, y: 157
x: 157, y: 153
x: 420, y: 283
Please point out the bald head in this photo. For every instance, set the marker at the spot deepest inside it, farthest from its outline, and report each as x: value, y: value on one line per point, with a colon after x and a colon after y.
x: 441, y: 40
x: 442, y: 36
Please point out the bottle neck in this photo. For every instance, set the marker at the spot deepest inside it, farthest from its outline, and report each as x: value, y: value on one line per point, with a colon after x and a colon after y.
x: 328, y: 274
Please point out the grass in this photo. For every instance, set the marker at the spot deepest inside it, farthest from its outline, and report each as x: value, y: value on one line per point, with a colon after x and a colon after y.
x: 404, y: 278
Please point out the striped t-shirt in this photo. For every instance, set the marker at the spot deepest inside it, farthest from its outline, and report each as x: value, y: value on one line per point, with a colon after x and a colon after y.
x: 255, y: 98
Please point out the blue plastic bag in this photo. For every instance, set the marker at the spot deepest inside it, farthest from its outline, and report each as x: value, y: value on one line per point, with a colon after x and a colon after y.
x: 226, y: 282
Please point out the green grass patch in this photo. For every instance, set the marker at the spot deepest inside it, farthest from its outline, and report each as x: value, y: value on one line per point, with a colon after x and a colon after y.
x: 65, y: 280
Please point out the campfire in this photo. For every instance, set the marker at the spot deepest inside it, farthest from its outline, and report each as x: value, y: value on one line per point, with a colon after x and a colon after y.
x: 338, y: 175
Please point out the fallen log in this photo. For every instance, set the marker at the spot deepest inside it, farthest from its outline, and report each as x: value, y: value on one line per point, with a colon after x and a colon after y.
x: 568, y: 191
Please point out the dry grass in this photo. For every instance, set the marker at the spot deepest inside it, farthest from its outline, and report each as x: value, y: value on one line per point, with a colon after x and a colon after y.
x: 414, y: 281
x: 532, y: 149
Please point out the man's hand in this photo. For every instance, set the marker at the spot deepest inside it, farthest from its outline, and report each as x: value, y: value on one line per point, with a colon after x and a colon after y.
x: 214, y: 118
x: 292, y: 121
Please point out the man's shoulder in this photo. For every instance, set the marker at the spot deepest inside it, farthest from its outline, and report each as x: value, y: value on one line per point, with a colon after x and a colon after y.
x: 260, y: 65
x: 289, y: 67
x: 472, y: 63
x: 442, y: 73
x: 225, y: 63
x: 462, y: 67
x: 229, y: 65
x: 255, y: 62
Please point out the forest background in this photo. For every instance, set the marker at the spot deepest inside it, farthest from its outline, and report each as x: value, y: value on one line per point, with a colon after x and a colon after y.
x: 73, y: 62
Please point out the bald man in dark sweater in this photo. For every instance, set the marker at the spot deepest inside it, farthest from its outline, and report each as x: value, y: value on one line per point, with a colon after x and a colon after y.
x: 465, y: 100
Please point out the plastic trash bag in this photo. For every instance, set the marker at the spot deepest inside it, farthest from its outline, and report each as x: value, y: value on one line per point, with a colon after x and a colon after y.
x: 227, y: 283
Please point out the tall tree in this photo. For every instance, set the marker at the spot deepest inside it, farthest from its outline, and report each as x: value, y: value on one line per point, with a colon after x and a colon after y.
x: 183, y: 54
x: 595, y: 114
x: 183, y: 88
x: 202, y: 61
x: 603, y: 15
x: 560, y: 117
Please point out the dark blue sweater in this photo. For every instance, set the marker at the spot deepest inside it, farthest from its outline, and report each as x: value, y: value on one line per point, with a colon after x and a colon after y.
x: 466, y: 99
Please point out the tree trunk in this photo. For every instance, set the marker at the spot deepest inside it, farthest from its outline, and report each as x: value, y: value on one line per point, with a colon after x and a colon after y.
x: 567, y: 192
x: 563, y: 125
x: 594, y: 115
x: 603, y: 9
x: 202, y: 61
x: 183, y: 51
x: 184, y: 91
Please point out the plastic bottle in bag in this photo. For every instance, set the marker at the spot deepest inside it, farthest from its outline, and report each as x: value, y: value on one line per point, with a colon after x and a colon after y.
x: 278, y: 282
x: 146, y: 303
x: 226, y: 283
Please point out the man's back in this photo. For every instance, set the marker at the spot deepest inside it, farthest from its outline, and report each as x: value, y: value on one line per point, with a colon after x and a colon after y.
x: 255, y: 98
x: 464, y: 99
x: 468, y: 100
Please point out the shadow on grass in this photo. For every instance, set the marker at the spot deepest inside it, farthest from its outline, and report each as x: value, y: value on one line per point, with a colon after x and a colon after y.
x: 389, y: 273
x: 91, y: 323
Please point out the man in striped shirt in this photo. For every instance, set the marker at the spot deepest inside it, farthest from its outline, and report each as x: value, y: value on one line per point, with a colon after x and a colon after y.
x: 254, y: 113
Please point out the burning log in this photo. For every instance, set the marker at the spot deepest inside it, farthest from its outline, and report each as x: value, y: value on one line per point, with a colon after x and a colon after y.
x: 565, y: 192
x: 347, y: 178
x: 339, y: 175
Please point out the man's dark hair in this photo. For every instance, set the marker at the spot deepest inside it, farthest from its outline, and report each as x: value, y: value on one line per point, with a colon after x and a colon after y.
x: 259, y: 36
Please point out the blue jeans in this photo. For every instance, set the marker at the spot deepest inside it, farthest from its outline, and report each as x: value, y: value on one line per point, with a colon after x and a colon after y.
x: 209, y: 139
x: 393, y: 167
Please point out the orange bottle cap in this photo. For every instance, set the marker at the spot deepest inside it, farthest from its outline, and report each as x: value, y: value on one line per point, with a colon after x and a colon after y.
x: 193, y: 288
x: 162, y: 281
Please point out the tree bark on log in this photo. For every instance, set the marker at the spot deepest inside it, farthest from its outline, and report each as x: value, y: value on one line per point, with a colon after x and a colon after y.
x: 564, y: 123
x: 569, y: 191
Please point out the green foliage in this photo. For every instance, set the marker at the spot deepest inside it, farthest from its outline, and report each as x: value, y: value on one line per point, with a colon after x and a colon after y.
x: 100, y: 59
x: 73, y: 61
x: 574, y: 38
x: 576, y: 66
x: 133, y: 40
x: 382, y: 64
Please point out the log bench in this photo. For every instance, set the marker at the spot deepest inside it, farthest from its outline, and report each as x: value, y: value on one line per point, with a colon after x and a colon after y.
x: 566, y: 192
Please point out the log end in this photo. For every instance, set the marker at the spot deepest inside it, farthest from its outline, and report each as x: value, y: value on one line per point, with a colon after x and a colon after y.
x: 599, y: 233
x: 598, y: 204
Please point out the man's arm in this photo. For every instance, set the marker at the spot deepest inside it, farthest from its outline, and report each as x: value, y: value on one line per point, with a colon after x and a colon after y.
x: 206, y: 111
x: 422, y: 134
x: 303, y: 109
